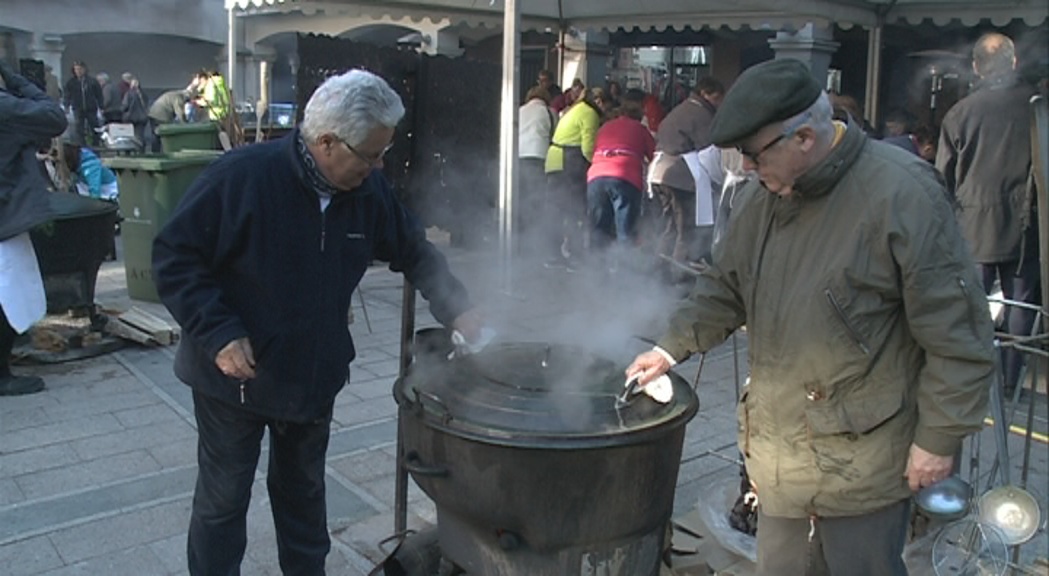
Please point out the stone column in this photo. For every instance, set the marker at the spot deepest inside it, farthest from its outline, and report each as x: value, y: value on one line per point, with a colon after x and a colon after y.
x: 8, y: 53
x: 443, y: 42
x: 251, y: 71
x: 812, y: 45
x: 49, y: 48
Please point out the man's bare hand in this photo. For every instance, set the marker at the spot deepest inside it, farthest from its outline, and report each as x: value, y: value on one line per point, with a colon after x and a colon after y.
x: 237, y: 360
x: 469, y: 324
x: 925, y: 468
x: 648, y: 366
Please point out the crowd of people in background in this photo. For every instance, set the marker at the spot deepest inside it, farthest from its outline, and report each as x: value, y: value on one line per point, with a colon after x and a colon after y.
x: 610, y: 175
x: 93, y: 102
x: 607, y: 170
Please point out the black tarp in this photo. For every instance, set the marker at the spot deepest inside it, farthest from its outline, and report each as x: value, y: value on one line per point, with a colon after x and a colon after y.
x: 444, y: 162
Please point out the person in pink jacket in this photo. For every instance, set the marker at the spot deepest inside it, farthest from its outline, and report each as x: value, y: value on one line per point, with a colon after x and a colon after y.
x: 615, y: 180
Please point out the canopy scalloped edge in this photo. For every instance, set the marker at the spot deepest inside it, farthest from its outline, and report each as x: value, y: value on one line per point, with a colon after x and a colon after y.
x: 730, y: 20
x: 844, y: 15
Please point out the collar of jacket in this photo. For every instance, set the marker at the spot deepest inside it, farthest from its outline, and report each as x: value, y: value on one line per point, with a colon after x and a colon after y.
x: 821, y: 178
x: 1006, y: 80
x: 307, y: 172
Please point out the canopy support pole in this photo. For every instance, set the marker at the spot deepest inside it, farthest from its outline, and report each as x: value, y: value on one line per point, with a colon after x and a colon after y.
x: 508, y: 141
x: 231, y: 53
x: 873, y: 73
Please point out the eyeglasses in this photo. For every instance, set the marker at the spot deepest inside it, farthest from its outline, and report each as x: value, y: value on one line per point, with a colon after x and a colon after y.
x: 371, y: 161
x: 755, y: 157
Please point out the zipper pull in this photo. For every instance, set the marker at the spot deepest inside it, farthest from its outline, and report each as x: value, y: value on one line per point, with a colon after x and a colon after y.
x: 242, y: 392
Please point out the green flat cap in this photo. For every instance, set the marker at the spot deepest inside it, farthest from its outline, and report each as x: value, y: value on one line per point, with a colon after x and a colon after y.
x: 768, y: 92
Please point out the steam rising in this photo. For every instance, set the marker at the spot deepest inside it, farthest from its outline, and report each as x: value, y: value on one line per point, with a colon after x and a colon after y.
x: 609, y: 314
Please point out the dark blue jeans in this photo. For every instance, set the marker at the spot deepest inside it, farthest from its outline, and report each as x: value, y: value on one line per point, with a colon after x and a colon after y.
x: 613, y: 207
x: 1020, y: 283
x: 228, y: 453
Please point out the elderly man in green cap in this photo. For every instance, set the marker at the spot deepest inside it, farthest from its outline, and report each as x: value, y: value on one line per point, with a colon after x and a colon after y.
x: 870, y: 343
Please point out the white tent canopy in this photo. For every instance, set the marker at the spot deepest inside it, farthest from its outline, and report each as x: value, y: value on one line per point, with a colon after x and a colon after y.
x: 661, y: 14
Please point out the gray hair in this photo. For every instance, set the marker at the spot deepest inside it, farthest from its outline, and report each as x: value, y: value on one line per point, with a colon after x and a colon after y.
x: 351, y: 106
x: 819, y: 116
x: 102, y: 77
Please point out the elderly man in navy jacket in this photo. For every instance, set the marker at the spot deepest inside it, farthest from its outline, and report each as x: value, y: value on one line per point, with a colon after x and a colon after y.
x: 257, y: 264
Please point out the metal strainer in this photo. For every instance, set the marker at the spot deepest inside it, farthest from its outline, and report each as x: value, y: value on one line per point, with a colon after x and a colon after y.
x: 1013, y: 511
x: 969, y: 547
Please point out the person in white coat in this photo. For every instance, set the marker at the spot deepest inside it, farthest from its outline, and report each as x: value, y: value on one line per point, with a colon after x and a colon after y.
x: 28, y: 120
x: 536, y: 126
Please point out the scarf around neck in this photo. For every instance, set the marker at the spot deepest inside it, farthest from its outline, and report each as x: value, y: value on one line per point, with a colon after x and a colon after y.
x: 314, y: 178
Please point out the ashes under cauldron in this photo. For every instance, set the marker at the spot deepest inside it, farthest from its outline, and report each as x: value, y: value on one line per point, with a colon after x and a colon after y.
x: 532, y: 466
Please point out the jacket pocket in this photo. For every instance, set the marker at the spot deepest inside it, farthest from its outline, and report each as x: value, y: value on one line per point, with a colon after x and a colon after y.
x: 853, y: 414
x: 839, y: 313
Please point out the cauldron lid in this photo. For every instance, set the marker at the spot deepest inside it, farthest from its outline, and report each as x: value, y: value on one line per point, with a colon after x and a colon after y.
x: 521, y: 392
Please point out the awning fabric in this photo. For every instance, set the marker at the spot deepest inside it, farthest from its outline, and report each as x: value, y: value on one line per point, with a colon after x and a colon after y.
x: 676, y: 14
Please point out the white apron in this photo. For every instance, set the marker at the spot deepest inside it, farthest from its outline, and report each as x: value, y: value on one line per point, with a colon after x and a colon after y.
x: 21, y: 287
x: 704, y: 196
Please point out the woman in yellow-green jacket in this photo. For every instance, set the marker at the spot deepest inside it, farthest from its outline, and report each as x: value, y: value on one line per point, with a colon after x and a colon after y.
x: 567, y: 160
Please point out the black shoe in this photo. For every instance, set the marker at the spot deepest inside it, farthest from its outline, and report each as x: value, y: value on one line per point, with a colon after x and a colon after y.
x: 20, y: 385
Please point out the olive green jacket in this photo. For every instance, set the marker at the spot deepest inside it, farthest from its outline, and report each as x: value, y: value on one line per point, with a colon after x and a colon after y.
x: 867, y: 329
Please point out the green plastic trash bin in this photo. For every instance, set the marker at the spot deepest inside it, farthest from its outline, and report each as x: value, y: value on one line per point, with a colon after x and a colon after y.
x: 150, y: 188
x: 191, y: 136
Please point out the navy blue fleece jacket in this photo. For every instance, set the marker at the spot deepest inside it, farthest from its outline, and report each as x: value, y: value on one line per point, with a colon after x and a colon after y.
x: 248, y: 252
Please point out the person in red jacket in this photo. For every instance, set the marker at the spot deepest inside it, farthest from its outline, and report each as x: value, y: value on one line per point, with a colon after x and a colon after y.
x: 653, y: 112
x: 615, y: 180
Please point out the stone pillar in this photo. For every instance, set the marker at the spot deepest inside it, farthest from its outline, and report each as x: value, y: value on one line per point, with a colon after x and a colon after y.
x: 49, y: 48
x: 8, y: 53
x: 443, y: 42
x: 251, y: 71
x: 813, y: 46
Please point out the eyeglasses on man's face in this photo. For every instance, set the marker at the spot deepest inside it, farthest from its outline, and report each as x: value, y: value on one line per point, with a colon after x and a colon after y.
x: 755, y: 157
x: 370, y: 160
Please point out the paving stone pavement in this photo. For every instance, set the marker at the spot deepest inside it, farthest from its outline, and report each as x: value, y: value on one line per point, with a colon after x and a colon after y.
x: 97, y: 471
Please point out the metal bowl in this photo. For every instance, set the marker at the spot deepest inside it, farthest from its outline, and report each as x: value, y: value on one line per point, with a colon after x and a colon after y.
x: 947, y: 499
x: 1013, y: 511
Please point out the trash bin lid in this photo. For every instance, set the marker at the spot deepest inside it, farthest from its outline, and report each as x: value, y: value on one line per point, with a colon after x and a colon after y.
x: 187, y: 128
x: 67, y: 206
x: 162, y: 162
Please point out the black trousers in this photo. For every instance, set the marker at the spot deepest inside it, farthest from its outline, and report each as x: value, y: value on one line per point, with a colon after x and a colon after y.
x: 86, y: 122
x: 867, y: 545
x: 227, y: 453
x: 1020, y: 282
x: 7, y: 343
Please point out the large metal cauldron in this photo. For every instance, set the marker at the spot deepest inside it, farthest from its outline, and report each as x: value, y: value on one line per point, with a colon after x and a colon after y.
x: 71, y: 248
x: 533, y: 469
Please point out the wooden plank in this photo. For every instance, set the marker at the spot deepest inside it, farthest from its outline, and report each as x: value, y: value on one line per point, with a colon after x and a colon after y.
x: 128, y: 332
x: 157, y: 329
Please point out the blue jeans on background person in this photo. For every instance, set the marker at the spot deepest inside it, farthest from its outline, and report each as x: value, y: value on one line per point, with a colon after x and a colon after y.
x: 228, y: 451
x: 613, y: 208
x: 1019, y: 283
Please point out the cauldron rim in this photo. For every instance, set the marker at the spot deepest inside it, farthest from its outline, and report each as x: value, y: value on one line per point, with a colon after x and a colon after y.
x: 647, y: 420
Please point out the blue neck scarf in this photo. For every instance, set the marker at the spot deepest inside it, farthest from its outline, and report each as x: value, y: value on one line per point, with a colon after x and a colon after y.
x: 314, y: 178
